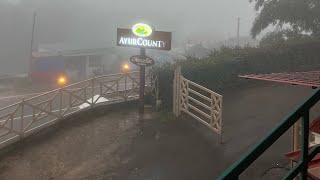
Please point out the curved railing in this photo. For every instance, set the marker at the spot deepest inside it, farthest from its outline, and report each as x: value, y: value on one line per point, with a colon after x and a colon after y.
x: 29, y: 115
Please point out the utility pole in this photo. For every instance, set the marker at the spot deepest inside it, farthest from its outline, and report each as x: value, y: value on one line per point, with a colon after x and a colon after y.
x: 32, y: 43
x: 238, y: 32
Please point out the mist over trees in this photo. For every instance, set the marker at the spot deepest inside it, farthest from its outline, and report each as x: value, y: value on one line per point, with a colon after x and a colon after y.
x: 292, y: 19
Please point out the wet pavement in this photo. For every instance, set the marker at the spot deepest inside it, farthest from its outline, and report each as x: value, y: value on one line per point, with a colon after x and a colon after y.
x: 121, y: 145
x: 74, y: 149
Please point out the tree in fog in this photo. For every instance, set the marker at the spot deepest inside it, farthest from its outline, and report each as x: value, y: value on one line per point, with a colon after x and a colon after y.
x: 295, y: 16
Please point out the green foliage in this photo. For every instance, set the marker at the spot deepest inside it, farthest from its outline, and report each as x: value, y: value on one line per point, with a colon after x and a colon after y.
x: 220, y: 69
x: 302, y: 15
x: 165, y: 73
x: 281, y: 37
x: 197, y: 51
x: 273, y: 38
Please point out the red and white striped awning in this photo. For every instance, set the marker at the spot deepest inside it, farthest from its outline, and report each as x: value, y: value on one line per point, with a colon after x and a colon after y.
x: 309, y: 78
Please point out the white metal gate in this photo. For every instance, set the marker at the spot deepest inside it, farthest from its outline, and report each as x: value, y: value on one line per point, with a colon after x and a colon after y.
x: 197, y: 101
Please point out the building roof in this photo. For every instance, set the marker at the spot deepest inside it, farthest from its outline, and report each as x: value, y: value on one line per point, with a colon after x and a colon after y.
x: 313, y: 166
x: 308, y: 78
x: 77, y: 52
x: 63, y: 49
x: 315, y: 126
x: 295, y: 156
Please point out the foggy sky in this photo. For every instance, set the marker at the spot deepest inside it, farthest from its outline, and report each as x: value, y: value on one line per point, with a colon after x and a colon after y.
x: 75, y: 20
x: 93, y: 23
x: 212, y: 19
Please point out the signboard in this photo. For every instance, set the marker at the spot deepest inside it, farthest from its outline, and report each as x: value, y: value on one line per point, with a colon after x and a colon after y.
x: 138, y: 60
x: 144, y: 37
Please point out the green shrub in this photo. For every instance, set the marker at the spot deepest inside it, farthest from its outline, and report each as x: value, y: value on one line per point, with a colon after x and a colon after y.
x: 220, y: 68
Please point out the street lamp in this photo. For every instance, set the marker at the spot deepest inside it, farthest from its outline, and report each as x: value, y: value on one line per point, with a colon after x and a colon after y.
x: 125, y: 67
x: 62, y: 80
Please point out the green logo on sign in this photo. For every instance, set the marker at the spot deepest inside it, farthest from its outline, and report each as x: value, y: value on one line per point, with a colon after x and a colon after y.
x: 142, y: 30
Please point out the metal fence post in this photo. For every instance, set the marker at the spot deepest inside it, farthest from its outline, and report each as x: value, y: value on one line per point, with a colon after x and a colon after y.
x: 187, y: 92
x: 179, y: 80
x: 305, y: 144
x: 100, y: 84
x: 117, y: 87
x: 92, y: 100
x: 125, y: 86
x: 22, y: 118
x: 61, y: 103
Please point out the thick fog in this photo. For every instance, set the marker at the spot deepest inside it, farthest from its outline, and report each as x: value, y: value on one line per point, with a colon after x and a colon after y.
x: 80, y: 24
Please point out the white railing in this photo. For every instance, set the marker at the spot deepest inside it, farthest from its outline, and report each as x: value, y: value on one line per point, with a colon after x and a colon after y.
x: 197, y: 101
x: 29, y: 115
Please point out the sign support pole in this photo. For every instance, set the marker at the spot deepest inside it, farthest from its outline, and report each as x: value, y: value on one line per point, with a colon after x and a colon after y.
x: 142, y: 82
x: 138, y: 34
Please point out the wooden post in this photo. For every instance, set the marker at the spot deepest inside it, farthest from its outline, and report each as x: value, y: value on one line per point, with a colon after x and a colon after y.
x: 22, y: 119
x: 125, y: 86
x: 178, y: 94
x: 295, y: 141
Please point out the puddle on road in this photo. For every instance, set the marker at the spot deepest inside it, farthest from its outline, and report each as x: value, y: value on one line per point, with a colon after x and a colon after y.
x: 133, y: 119
x: 127, y: 123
